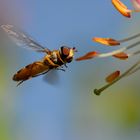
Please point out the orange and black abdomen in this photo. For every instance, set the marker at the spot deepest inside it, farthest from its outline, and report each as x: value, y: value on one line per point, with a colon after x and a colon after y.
x: 30, y: 70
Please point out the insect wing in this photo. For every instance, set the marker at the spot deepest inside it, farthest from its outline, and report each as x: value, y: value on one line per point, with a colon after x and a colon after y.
x: 52, y: 77
x: 22, y: 39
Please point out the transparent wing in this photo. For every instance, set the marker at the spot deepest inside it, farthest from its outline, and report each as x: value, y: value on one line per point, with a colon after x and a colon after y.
x: 22, y: 39
x: 52, y: 77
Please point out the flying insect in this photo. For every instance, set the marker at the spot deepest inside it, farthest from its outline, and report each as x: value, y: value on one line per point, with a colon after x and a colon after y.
x: 54, y: 59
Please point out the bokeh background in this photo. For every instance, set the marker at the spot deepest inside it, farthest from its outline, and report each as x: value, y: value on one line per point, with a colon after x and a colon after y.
x: 67, y: 109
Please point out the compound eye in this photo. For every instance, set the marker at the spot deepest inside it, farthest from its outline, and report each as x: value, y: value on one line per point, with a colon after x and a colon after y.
x: 65, y: 51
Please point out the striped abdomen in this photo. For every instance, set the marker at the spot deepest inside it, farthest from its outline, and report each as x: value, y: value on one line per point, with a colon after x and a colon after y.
x: 30, y: 70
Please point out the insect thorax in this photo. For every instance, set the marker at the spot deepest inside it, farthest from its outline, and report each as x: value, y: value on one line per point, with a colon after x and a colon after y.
x: 53, y: 59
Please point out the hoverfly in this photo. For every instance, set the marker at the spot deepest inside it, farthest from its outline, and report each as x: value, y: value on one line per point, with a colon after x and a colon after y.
x: 54, y: 59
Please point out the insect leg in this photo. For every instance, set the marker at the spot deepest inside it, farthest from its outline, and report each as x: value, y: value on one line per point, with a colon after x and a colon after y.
x: 65, y: 65
x: 20, y: 82
x: 60, y: 69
